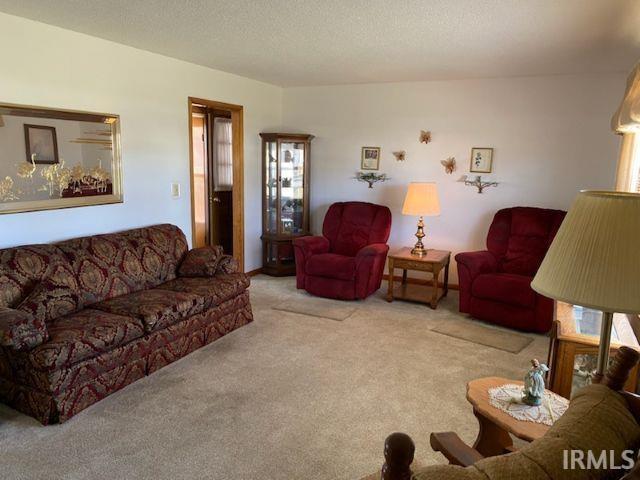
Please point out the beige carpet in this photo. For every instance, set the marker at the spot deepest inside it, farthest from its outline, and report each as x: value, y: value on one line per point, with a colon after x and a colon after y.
x: 288, y: 397
x: 492, y: 337
x: 306, y: 304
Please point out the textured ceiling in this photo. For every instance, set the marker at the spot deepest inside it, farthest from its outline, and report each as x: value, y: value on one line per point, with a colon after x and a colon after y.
x: 303, y: 42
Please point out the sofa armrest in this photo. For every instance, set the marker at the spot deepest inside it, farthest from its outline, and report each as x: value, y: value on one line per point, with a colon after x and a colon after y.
x: 312, y: 245
x: 20, y: 330
x: 477, y: 262
x: 227, y: 264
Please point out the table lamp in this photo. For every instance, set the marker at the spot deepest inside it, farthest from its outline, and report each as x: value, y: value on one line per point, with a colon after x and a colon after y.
x: 594, y: 260
x: 421, y: 199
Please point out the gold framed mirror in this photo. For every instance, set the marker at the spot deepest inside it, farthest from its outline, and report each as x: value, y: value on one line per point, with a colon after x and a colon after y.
x: 51, y: 159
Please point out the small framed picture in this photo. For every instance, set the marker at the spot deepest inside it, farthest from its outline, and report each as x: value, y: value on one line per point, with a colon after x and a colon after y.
x: 41, y: 144
x: 370, y: 158
x: 481, y: 160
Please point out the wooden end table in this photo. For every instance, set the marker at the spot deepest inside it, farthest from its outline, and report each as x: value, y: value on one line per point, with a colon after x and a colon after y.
x: 496, y: 425
x: 434, y: 261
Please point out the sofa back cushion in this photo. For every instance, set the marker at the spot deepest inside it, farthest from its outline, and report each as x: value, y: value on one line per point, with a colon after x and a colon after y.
x: 52, y: 299
x: 519, y: 237
x: 350, y: 226
x: 111, y: 265
x: 22, y: 268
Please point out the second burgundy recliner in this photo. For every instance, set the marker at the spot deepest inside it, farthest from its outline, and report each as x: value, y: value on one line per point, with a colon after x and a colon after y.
x: 495, y: 284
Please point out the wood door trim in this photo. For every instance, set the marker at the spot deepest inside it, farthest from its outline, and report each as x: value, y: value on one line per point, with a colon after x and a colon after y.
x: 237, y: 133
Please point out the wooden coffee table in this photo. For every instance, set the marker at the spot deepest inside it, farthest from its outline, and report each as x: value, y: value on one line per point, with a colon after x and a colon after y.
x: 496, y: 425
x: 434, y: 261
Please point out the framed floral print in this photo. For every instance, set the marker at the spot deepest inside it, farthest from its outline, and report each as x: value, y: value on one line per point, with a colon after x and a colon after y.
x: 52, y: 159
x: 370, y: 158
x: 481, y: 160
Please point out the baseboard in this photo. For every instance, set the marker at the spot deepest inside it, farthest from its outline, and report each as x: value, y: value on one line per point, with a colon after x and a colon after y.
x: 397, y: 278
x: 420, y: 281
x: 255, y: 272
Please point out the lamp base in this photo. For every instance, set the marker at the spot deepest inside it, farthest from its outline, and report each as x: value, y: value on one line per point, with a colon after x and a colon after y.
x: 418, y: 248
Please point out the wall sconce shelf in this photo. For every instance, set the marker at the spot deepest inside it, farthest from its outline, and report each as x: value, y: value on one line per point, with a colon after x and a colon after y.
x: 371, y: 177
x: 479, y: 183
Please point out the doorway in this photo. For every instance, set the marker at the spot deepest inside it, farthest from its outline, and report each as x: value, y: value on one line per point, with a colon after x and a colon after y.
x: 216, y: 157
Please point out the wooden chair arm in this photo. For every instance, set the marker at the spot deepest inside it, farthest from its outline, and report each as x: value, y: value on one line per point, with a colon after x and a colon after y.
x: 454, y: 449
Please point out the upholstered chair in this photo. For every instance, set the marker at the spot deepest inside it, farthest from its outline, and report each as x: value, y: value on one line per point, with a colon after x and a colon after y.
x: 347, y: 261
x: 495, y: 284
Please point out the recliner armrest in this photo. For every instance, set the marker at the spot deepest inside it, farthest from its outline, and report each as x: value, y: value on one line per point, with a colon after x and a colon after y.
x: 372, y: 250
x: 19, y: 330
x: 312, y: 245
x: 478, y: 262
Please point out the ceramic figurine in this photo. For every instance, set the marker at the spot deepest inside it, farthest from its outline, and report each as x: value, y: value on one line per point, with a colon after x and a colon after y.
x: 534, y: 383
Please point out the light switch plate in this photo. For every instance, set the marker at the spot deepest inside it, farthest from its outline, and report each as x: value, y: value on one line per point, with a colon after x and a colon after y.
x: 175, y: 190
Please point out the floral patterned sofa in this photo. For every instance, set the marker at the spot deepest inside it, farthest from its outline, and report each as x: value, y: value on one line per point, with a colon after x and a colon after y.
x: 83, y: 318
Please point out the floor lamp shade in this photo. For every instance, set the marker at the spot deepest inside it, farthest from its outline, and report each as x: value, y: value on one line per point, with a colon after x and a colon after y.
x: 594, y: 260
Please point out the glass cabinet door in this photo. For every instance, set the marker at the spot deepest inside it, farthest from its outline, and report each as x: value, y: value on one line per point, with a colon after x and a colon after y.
x: 292, y: 163
x: 271, y: 187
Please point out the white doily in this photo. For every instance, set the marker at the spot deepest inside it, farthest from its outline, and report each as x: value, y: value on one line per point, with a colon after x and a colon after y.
x: 507, y: 398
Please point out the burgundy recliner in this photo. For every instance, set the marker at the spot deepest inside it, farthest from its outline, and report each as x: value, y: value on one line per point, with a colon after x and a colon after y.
x: 347, y: 261
x: 495, y: 285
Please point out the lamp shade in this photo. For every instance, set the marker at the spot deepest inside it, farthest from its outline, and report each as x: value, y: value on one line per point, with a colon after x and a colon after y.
x: 594, y: 260
x: 421, y: 199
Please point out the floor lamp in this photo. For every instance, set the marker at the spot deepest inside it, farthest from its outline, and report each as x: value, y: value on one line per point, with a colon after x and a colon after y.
x: 594, y: 260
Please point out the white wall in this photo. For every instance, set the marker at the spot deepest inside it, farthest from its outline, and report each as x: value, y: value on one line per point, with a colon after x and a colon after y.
x: 48, y: 66
x: 550, y: 134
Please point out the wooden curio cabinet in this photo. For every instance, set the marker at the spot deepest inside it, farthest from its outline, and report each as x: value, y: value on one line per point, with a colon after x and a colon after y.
x: 573, y: 351
x: 285, y: 198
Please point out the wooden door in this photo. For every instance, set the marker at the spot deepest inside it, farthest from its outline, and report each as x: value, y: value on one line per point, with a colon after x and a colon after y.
x: 220, y: 182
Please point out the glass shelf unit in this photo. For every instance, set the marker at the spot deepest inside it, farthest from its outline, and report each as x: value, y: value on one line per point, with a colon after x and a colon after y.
x: 285, y: 199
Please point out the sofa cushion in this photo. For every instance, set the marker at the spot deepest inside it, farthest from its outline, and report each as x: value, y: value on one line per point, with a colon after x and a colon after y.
x: 215, y: 290
x: 157, y: 308
x: 227, y: 264
x: 52, y: 299
x: 201, y: 262
x: 82, y: 335
x: 20, y: 331
x: 22, y: 268
x: 112, y: 265
x: 332, y: 265
x: 504, y: 288
x: 597, y: 418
